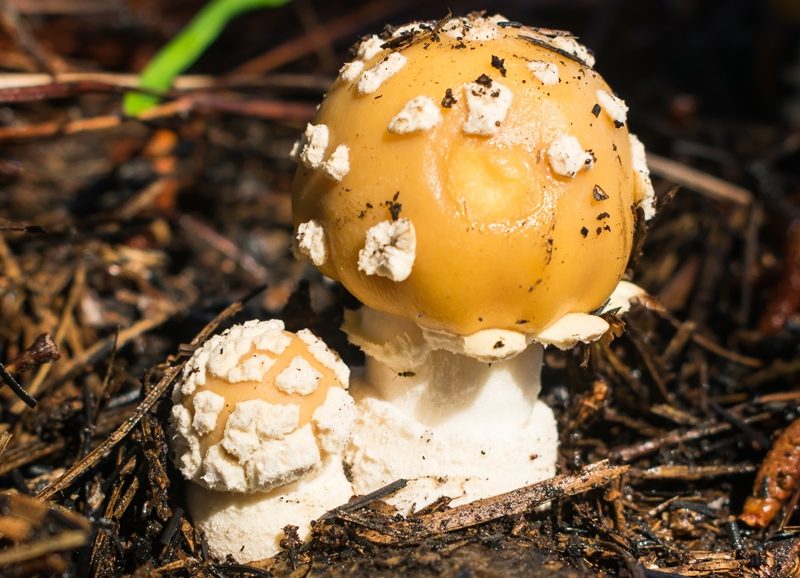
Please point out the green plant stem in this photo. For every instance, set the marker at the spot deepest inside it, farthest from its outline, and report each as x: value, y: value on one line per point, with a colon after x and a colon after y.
x: 185, y: 48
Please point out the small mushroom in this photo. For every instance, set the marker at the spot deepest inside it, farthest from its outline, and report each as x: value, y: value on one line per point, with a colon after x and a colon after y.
x: 474, y: 233
x: 258, y: 425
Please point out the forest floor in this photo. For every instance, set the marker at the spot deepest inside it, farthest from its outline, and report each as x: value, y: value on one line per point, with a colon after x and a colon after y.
x: 126, y: 242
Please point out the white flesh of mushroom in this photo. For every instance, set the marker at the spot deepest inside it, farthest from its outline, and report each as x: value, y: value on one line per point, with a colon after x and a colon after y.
x: 452, y: 414
x: 250, y: 526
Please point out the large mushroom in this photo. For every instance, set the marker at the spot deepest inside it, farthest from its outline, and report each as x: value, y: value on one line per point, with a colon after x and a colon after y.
x: 259, y: 421
x: 474, y: 184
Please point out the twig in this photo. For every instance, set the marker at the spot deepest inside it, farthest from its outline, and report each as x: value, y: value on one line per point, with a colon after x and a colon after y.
x: 9, y: 380
x: 103, y: 390
x: 647, y: 356
x: 366, y: 499
x: 5, y: 437
x: 704, y: 569
x: 518, y: 501
x: 198, y: 229
x: 64, y: 7
x: 708, y: 344
x: 19, y: 456
x: 709, y: 185
x: 10, y: 267
x: 267, y: 109
x: 691, y: 473
x: 777, y: 370
x: 65, y: 541
x: 147, y: 403
x: 778, y: 397
x: 678, y: 341
x: 171, y: 527
x: 758, y: 440
x: 310, y: 20
x: 707, y: 429
x: 144, y: 199
x: 45, y: 129
x: 751, y: 254
x: 625, y: 372
x: 791, y: 506
x: 17, y: 87
x: 635, y: 569
x: 78, y: 283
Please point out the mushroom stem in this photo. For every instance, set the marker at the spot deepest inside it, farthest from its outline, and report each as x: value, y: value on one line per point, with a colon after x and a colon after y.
x: 453, y: 393
x: 453, y: 425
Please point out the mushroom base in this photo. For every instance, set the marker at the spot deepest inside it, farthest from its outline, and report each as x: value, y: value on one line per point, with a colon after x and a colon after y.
x: 250, y: 526
x: 453, y: 426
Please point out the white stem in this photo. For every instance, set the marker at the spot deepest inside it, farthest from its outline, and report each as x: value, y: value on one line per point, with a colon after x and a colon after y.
x: 454, y: 425
x: 455, y: 393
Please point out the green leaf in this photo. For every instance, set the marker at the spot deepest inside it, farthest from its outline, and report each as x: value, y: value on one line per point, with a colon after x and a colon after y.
x: 184, y: 50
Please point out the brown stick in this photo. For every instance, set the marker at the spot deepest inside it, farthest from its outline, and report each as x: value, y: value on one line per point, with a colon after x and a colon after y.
x: 268, y: 109
x: 704, y: 183
x: 707, y: 429
x: 681, y: 472
x: 23, y: 87
x: 519, y: 501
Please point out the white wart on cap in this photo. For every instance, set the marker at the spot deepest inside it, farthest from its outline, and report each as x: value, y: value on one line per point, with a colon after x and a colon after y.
x: 259, y: 407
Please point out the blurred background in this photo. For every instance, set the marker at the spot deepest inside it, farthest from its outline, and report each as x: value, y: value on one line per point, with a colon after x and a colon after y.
x: 121, y: 237
x: 736, y: 57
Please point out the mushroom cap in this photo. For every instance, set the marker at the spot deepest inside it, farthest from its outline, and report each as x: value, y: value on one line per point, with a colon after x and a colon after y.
x: 477, y: 176
x: 259, y: 407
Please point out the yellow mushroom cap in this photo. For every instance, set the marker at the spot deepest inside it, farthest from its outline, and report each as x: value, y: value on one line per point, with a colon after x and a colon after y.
x: 257, y: 407
x: 471, y: 175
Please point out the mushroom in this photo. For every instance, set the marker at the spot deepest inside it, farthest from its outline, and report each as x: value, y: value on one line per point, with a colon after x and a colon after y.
x: 258, y: 425
x: 487, y: 209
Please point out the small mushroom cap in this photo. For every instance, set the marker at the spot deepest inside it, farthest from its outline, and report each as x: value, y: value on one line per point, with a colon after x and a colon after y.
x: 259, y: 407
x: 490, y: 183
